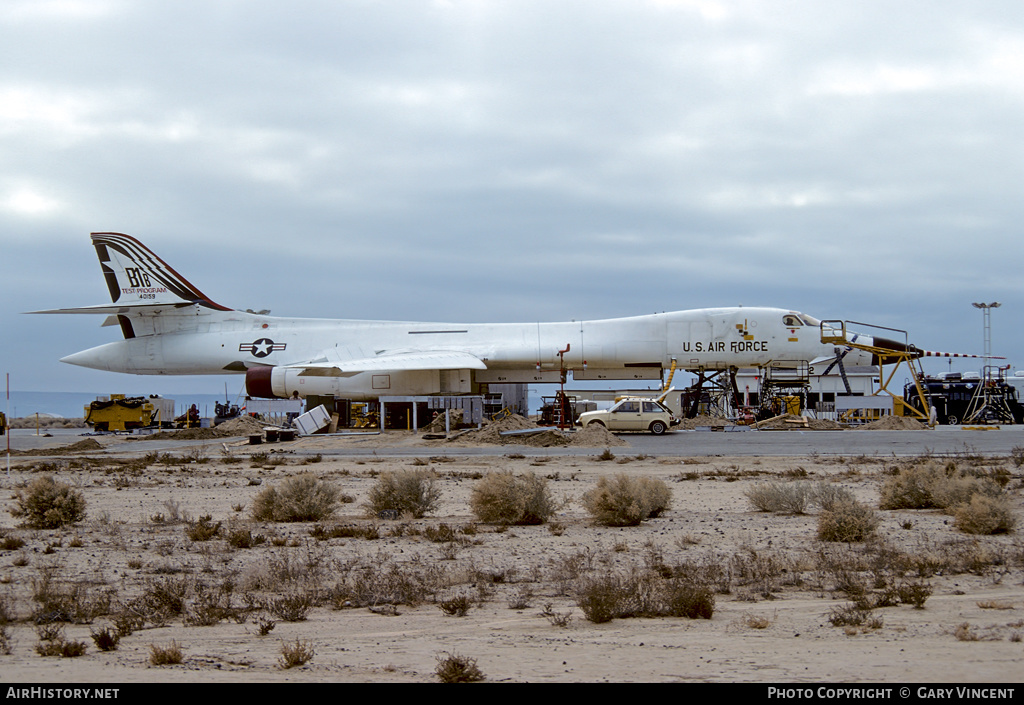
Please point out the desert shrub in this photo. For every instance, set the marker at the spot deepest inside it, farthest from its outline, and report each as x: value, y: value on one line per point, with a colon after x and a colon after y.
x: 453, y: 668
x: 599, y: 596
x: 914, y: 593
x: 165, y: 655
x: 504, y: 498
x: 297, y: 654
x: 849, y: 616
x: 932, y: 485
x: 780, y: 497
x: 66, y: 602
x: 984, y: 515
x: 826, y: 495
x: 406, y: 492
x: 959, y: 489
x: 847, y: 521
x: 161, y: 600
x: 208, y: 607
x: 301, y: 498
x: 203, y: 529
x: 386, y: 583
x: 61, y: 647
x: 644, y: 593
x: 686, y: 598
x: 243, y: 538
x: 345, y: 531
x: 911, y: 487
x: 626, y: 501
x: 456, y: 606
x: 106, y: 639
x: 48, y: 504
x: 293, y: 607
x: 11, y: 543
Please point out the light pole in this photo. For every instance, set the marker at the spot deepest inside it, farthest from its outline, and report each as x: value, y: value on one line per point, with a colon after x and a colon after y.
x: 986, y: 312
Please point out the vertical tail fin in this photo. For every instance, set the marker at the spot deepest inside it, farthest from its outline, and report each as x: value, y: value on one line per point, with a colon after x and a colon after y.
x: 136, y: 276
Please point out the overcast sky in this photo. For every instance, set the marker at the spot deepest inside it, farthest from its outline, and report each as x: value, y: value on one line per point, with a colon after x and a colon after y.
x: 513, y: 161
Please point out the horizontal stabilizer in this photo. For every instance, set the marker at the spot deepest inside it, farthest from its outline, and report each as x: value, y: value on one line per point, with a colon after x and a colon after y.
x: 116, y: 309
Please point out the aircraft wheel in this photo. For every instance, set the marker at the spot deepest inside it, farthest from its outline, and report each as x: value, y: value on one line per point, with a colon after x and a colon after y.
x: 952, y: 420
x: 658, y: 428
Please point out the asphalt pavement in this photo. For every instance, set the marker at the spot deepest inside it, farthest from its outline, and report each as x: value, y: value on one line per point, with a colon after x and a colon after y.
x: 943, y: 440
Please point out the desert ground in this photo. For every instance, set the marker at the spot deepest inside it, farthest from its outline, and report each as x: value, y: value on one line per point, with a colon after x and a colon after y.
x: 382, y: 599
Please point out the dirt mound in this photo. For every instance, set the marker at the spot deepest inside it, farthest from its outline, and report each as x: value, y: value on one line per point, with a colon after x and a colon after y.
x: 596, y: 436
x: 703, y: 420
x: 491, y: 433
x: 894, y: 423
x: 542, y: 439
x: 240, y: 426
x: 82, y: 446
x: 789, y: 422
x: 437, y: 425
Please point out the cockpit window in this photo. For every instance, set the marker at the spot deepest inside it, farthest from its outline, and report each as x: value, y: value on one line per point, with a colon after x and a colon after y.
x: 810, y: 320
x: 791, y: 320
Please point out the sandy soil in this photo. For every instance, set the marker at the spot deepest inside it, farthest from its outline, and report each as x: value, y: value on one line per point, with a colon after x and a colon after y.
x: 771, y: 621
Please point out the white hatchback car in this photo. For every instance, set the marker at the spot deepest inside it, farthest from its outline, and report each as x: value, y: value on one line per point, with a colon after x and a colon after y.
x: 632, y: 415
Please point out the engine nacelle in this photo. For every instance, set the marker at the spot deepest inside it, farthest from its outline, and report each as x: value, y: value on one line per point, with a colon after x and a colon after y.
x: 281, y: 382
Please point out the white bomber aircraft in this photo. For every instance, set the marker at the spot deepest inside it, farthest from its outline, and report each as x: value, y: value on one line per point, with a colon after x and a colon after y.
x: 172, y: 328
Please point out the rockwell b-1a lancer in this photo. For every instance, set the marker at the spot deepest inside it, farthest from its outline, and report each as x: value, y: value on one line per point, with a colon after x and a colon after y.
x: 172, y: 328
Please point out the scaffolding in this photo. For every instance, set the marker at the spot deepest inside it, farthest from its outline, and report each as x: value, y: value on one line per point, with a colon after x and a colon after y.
x: 994, y: 399
x: 834, y: 333
x: 784, y: 388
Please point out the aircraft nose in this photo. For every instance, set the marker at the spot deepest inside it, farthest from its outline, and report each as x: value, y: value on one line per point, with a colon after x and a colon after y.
x: 103, y: 357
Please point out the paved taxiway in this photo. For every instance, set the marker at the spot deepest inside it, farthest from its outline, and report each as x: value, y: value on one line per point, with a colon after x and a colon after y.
x: 944, y: 440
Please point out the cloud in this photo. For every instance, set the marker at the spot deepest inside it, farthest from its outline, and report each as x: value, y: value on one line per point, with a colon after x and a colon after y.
x: 506, y: 161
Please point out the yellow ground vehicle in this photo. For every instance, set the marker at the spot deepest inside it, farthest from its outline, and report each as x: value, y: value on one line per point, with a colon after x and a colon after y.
x: 120, y: 413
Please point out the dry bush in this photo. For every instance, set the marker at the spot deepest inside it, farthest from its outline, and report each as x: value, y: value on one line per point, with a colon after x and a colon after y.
x: 556, y: 619
x: 847, y: 521
x: 984, y: 515
x: 911, y: 487
x: 203, y: 529
x: 208, y: 607
x: 453, y: 668
x: 623, y: 500
x: 386, y: 582
x: 166, y: 655
x: 457, y: 606
x: 644, y: 593
x: 301, y: 498
x: 504, y: 498
x: 855, y: 615
x: 780, y: 497
x: 686, y: 598
x: 406, y: 492
x: 106, y: 639
x: 48, y: 504
x: 297, y: 654
x: 964, y: 632
x: 244, y: 538
x: 826, y: 495
x: 293, y: 607
x: 63, y: 648
x: 66, y: 602
x: 932, y: 485
x: 599, y: 596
